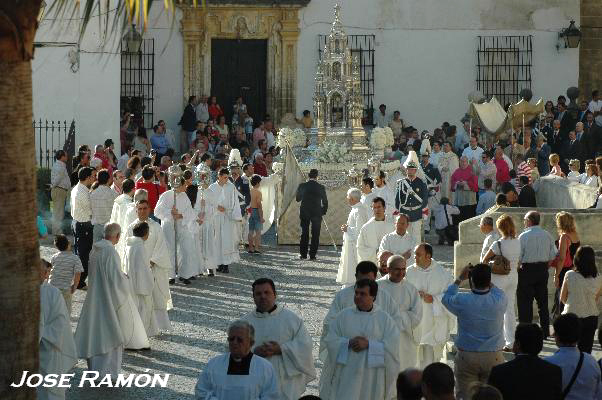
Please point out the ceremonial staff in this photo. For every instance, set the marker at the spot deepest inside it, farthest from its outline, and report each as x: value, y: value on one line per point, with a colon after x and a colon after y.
x: 175, y: 180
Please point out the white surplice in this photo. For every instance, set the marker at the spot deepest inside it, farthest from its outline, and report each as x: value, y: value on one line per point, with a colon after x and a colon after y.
x: 399, y: 244
x: 268, y: 189
x: 187, y: 262
x: 344, y: 299
x: 118, y: 215
x: 356, y: 219
x: 226, y: 223
x: 386, y: 193
x: 295, y: 366
x: 109, y: 320
x: 156, y: 249
x: 137, y: 267
x: 215, y: 384
x: 206, y: 205
x: 369, y: 239
x: 368, y: 374
x: 406, y: 297
x: 448, y: 164
x: 57, y: 347
x: 436, y: 322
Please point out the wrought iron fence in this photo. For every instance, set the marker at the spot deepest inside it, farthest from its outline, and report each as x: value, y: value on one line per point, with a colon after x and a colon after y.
x: 363, y: 47
x: 52, y: 136
x: 504, y: 66
x: 137, y: 82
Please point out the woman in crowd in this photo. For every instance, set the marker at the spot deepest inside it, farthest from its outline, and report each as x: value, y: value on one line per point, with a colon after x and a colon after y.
x: 591, y: 178
x: 221, y: 126
x: 509, y: 247
x: 214, y: 109
x: 464, y: 186
x: 141, y: 142
x: 580, y: 291
x: 239, y: 109
x: 567, y: 244
x: 134, y: 165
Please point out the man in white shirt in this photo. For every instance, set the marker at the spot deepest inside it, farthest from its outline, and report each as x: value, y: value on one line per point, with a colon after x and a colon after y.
x: 81, y: 212
x: 595, y: 105
x: 406, y: 297
x: 101, y: 203
x: 60, y: 184
x: 473, y: 151
x: 491, y: 235
x: 485, y: 169
x: 238, y: 374
x: 399, y: 242
x: 282, y: 339
x: 202, y: 109
x: 381, y: 119
x: 118, y: 178
x: 372, y: 232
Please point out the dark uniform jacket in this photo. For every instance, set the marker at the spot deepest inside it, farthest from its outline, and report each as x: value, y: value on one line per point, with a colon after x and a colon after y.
x: 411, y: 197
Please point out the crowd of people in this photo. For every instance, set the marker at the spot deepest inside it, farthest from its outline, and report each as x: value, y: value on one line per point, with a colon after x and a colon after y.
x: 140, y: 227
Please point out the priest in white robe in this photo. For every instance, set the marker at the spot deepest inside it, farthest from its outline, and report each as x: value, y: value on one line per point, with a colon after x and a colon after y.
x: 57, y: 347
x: 160, y: 263
x: 127, y: 216
x: 448, y: 164
x: 406, y: 297
x: 109, y: 320
x: 386, y: 192
x: 372, y: 232
x: 344, y: 298
x: 138, y: 269
x: 121, y: 202
x: 282, y: 339
x: 238, y: 374
x: 227, y: 219
x: 431, y: 280
x: 206, y: 208
x: 363, y: 350
x: 358, y: 216
x: 186, y: 222
x: 399, y: 242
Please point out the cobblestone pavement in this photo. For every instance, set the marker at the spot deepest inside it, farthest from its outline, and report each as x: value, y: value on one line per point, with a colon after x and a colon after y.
x: 204, y: 309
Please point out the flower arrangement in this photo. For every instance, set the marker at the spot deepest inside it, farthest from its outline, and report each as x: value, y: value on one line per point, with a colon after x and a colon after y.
x: 331, y: 152
x: 295, y: 137
x: 381, y: 138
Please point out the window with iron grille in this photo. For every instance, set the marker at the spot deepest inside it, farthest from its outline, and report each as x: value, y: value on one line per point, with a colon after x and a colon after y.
x: 504, y: 66
x: 137, y: 82
x: 362, y: 47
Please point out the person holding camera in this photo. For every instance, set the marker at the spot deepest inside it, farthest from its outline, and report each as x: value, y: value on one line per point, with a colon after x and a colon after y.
x: 480, y: 315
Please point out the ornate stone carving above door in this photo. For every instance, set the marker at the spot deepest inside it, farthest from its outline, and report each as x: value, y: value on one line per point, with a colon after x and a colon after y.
x: 278, y: 23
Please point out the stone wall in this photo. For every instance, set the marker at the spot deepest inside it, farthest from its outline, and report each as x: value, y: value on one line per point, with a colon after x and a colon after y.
x: 590, y: 49
x: 556, y: 192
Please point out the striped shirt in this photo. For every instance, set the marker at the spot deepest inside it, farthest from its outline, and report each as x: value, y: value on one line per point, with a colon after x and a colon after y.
x: 101, y: 202
x: 80, y: 203
x: 59, y: 177
x: 65, y: 265
x: 524, y: 170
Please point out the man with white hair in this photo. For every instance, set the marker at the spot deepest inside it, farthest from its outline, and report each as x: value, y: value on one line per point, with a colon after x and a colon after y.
x: 406, y: 298
x: 238, y: 374
x: 358, y: 216
x: 109, y: 320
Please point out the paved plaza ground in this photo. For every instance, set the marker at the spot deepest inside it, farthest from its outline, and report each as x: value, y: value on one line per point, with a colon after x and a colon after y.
x: 203, y: 310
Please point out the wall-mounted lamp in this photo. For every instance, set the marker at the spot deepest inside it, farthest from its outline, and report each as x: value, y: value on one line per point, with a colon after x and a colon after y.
x: 133, y: 40
x: 571, y: 36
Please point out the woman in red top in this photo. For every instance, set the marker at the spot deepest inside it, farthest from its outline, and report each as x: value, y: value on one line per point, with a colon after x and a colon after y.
x: 147, y: 182
x: 214, y: 109
x: 503, y: 172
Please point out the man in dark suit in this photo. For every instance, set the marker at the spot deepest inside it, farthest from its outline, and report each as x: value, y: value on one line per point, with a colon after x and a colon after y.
x: 567, y: 122
x: 527, y: 376
x: 526, y: 197
x: 572, y: 150
x: 314, y: 205
x: 188, y: 124
x: 556, y: 138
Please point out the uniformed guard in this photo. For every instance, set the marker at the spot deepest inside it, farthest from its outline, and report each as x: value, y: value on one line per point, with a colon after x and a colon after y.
x: 433, y: 182
x: 412, y: 196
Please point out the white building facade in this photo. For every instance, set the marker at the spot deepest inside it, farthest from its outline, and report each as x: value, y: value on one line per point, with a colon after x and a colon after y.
x: 423, y: 57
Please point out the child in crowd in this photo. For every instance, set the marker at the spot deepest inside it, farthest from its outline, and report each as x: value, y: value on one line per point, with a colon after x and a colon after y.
x: 574, y: 174
x: 555, y: 165
x: 66, y: 269
x: 248, y: 124
x: 256, y: 218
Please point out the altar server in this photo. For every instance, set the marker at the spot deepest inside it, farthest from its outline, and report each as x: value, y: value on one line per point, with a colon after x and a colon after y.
x: 399, y: 241
x: 238, y: 374
x: 160, y: 266
x: 227, y: 218
x: 448, y: 164
x: 109, y: 320
x: 358, y: 216
x: 431, y: 280
x: 363, y: 350
x: 372, y: 232
x: 127, y: 214
x: 137, y: 267
x: 57, y: 348
x: 282, y: 339
x: 186, y: 218
x: 406, y: 298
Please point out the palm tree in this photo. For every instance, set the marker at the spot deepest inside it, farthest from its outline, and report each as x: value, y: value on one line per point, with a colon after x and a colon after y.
x: 19, y: 247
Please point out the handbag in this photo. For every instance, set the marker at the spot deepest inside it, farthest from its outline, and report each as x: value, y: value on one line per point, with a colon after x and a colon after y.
x: 499, y: 264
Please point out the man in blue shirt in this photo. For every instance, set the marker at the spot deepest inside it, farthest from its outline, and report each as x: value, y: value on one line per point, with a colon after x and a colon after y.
x: 537, y: 248
x: 580, y: 377
x: 480, y: 314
